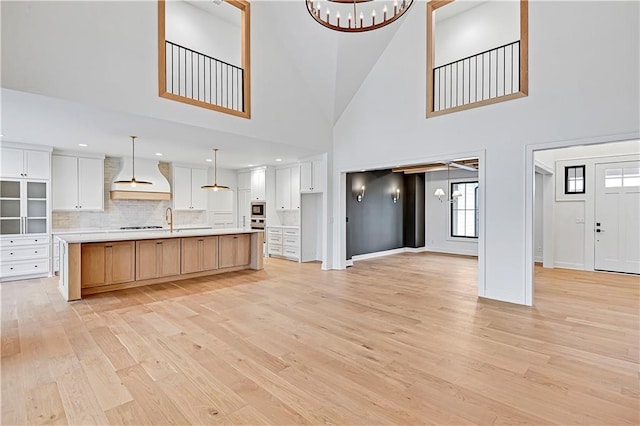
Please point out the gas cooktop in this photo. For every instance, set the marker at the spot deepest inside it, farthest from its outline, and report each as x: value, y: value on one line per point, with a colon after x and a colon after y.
x: 140, y: 227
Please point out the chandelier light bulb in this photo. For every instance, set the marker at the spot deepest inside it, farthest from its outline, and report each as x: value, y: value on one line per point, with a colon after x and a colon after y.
x: 354, y: 9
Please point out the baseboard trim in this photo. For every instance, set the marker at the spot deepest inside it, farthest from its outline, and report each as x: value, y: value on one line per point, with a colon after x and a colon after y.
x: 378, y: 254
x: 407, y: 250
x: 568, y: 265
x: 451, y: 251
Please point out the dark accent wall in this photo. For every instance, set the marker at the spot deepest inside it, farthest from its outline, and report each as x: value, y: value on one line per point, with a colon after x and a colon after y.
x: 375, y: 224
x: 414, y: 205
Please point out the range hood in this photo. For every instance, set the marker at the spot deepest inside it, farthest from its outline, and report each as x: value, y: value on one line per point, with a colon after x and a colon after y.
x: 145, y: 170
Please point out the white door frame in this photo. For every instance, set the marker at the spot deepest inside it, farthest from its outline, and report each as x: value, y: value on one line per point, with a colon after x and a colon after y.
x: 529, y: 195
x: 340, y: 206
x: 548, y: 185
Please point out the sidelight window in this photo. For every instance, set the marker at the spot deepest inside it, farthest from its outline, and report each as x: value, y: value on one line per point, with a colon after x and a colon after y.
x: 574, y: 182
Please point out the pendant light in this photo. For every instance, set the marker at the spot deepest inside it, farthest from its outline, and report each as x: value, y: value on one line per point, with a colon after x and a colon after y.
x: 215, y: 186
x: 440, y: 193
x: 133, y: 182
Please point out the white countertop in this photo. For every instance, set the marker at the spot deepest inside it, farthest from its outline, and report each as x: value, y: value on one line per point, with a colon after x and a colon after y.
x: 94, y: 237
x: 57, y: 232
x: 284, y: 226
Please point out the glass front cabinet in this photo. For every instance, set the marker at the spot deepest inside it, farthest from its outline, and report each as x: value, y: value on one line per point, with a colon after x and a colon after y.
x: 24, y: 214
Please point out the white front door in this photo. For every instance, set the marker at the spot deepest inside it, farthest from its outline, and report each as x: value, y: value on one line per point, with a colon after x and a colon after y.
x: 617, y: 217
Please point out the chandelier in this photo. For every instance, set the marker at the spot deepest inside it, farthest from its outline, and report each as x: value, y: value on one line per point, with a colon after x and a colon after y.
x: 354, y: 16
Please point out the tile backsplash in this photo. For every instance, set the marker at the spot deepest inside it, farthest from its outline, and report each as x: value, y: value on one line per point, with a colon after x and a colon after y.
x: 289, y: 217
x: 119, y: 213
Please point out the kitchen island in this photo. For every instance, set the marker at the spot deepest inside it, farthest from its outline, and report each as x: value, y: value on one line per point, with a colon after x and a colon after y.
x: 99, y: 262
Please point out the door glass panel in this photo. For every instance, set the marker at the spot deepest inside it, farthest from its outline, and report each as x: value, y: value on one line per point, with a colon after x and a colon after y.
x: 10, y: 208
x: 613, y: 178
x: 36, y: 226
x: 36, y: 208
x: 9, y: 189
x: 9, y: 226
x: 36, y: 190
x: 631, y: 177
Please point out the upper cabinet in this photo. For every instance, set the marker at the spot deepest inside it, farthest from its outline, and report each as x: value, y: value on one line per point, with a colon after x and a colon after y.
x: 77, y: 183
x: 258, y: 180
x: 244, y: 181
x: 312, y: 176
x: 288, y: 188
x: 24, y: 163
x: 187, y: 188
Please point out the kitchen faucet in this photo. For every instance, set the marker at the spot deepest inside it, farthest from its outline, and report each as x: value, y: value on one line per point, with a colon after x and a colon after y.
x: 168, y: 216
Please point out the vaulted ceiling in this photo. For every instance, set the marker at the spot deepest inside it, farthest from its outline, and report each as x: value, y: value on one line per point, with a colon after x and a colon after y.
x: 68, y: 77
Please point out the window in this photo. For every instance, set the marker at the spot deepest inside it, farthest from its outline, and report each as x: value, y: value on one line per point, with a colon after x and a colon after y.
x: 574, y: 182
x: 464, y: 211
x: 617, y: 178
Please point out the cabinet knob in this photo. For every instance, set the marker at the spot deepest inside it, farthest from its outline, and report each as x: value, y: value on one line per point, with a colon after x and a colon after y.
x: 11, y: 254
x: 36, y: 252
x: 35, y: 266
x: 11, y: 268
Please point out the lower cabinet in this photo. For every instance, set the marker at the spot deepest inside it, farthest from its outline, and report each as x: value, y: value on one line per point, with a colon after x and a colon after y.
x: 157, y: 258
x: 235, y: 250
x: 199, y: 254
x: 108, y: 263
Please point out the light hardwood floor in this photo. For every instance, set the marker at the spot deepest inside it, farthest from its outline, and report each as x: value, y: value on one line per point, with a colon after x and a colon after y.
x: 395, y: 340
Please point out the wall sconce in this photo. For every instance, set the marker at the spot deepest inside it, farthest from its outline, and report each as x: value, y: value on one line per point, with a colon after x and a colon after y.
x: 439, y: 194
x: 396, y: 195
x: 360, y: 195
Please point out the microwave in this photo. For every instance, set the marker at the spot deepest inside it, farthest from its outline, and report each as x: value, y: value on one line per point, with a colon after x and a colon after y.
x: 258, y: 210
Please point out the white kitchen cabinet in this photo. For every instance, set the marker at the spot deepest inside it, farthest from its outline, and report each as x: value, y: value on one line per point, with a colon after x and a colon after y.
x: 288, y: 188
x: 24, y: 225
x: 244, y: 181
x: 258, y: 181
x: 187, y: 188
x: 221, y: 220
x: 312, y: 176
x: 77, y: 183
x: 295, y: 187
x: 244, y: 208
x: 283, y: 189
x: 284, y: 242
x: 24, y: 163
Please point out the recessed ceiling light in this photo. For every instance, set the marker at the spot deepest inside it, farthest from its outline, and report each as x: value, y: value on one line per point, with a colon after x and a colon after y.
x: 208, y: 160
x: 84, y: 145
x: 363, y: 170
x: 159, y: 154
x: 278, y: 159
x: 249, y: 165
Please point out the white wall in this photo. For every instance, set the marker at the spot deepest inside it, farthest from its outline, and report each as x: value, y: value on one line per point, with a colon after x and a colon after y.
x: 572, y: 98
x: 484, y: 27
x: 203, y: 32
x: 437, y: 226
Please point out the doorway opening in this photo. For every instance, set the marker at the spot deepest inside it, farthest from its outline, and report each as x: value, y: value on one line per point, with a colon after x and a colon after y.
x: 430, y: 209
x: 585, y: 209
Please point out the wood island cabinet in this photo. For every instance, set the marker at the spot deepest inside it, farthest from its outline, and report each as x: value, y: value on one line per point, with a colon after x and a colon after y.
x: 108, y: 263
x: 89, y: 265
x: 235, y: 250
x: 157, y: 258
x: 199, y: 254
